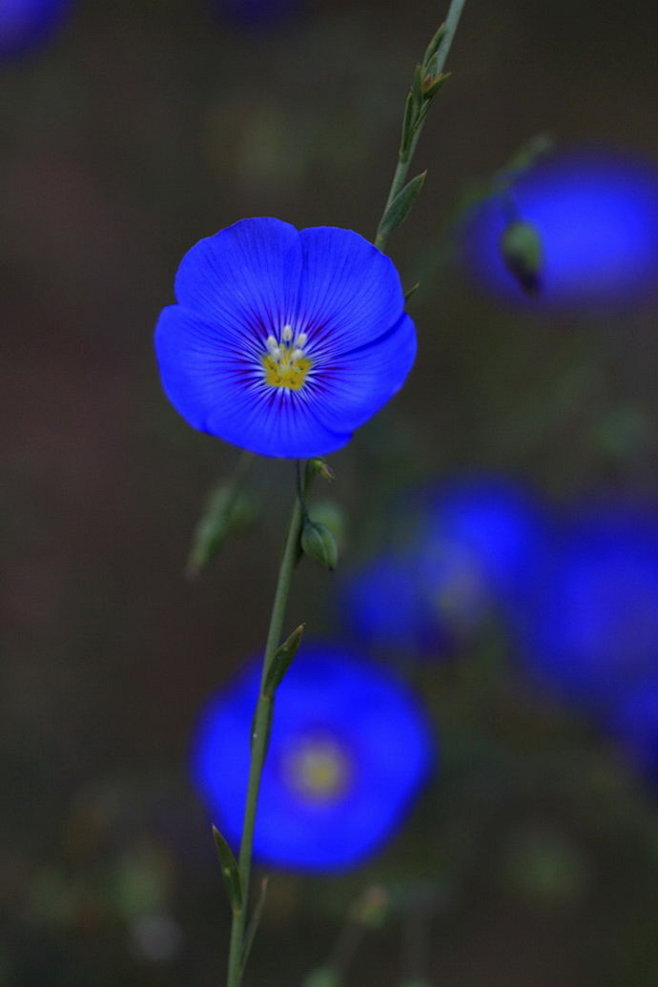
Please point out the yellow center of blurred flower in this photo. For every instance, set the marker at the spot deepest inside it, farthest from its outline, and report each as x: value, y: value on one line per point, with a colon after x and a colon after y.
x: 317, y: 768
x: 285, y: 363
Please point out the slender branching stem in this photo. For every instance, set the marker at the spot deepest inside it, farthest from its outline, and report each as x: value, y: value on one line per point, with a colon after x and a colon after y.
x: 408, y: 148
x: 259, y: 740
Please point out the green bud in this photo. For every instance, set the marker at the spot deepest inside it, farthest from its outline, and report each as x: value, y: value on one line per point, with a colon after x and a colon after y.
x: 324, y: 976
x: 319, y: 544
x: 522, y: 252
x: 227, y: 511
x: 318, y: 467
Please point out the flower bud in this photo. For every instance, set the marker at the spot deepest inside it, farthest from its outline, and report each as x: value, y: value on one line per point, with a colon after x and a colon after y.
x: 522, y: 252
x: 319, y: 544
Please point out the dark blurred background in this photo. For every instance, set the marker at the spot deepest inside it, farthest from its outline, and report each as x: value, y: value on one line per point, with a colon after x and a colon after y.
x: 137, y: 128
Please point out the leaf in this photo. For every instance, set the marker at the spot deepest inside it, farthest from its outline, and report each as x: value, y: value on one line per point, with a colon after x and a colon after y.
x: 435, y: 44
x: 283, y: 659
x: 401, y: 206
x: 230, y: 870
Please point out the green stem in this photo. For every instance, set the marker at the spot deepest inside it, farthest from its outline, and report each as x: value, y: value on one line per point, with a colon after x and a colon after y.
x: 406, y: 153
x: 259, y: 740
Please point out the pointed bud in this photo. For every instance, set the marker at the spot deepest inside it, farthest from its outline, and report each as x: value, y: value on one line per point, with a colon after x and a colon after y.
x: 319, y: 544
x: 318, y: 467
x: 522, y: 252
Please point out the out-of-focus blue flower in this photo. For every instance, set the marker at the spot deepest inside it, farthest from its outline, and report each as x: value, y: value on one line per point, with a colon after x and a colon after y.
x: 593, y: 627
x: 636, y: 724
x: 475, y: 543
x: 348, y: 751
x: 25, y: 24
x: 255, y: 14
x: 284, y: 341
x: 597, y: 218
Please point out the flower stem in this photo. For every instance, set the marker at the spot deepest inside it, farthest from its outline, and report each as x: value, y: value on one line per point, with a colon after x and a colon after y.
x: 259, y: 740
x: 408, y: 146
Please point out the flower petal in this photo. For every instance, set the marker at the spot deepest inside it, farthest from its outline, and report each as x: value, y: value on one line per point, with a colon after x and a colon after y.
x: 219, y: 390
x: 247, y: 275
x: 358, y: 383
x: 350, y: 293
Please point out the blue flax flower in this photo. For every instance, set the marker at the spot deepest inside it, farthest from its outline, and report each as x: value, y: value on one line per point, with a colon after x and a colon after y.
x: 475, y: 544
x: 25, y: 24
x: 284, y: 341
x: 349, y: 749
x: 596, y: 214
x: 593, y: 628
x: 636, y: 725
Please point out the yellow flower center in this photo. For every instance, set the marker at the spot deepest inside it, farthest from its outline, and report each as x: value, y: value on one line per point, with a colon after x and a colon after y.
x: 317, y: 769
x: 285, y: 363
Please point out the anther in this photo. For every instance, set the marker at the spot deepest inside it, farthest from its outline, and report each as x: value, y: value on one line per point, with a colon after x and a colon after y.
x: 301, y: 340
x: 286, y: 334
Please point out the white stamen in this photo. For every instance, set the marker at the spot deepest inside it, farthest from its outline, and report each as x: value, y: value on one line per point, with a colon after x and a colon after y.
x: 301, y: 340
x: 296, y: 355
x: 271, y: 343
x: 286, y: 334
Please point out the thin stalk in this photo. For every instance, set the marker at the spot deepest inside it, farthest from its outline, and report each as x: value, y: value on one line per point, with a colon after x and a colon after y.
x: 259, y: 740
x: 406, y: 153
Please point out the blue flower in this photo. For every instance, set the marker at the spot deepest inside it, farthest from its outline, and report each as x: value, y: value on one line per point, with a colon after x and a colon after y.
x: 24, y: 24
x: 348, y: 751
x: 256, y: 14
x: 593, y: 628
x: 475, y: 544
x: 284, y: 341
x: 597, y: 217
x: 635, y: 723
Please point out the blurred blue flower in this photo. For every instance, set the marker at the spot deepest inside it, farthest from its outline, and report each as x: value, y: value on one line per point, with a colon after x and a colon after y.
x: 348, y: 751
x: 475, y: 543
x: 25, y: 24
x: 284, y: 342
x: 597, y: 218
x: 636, y: 725
x: 593, y: 627
x: 255, y: 14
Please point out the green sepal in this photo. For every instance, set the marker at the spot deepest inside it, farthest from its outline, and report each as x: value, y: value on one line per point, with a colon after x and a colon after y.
x: 318, y: 467
x: 230, y: 870
x: 283, y: 659
x: 323, y: 976
x: 254, y: 922
x: 318, y: 543
x: 432, y: 83
x: 434, y: 44
x: 226, y: 512
x: 401, y: 205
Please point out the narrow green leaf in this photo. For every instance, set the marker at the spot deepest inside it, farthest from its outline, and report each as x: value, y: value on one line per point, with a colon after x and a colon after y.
x: 408, y: 121
x: 412, y: 291
x: 228, y: 509
x: 283, y: 659
x: 434, y: 44
x: 254, y: 922
x: 230, y: 870
x: 417, y: 84
x: 401, y: 205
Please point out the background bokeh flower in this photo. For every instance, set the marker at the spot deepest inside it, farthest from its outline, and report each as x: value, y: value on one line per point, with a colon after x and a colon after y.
x: 596, y: 214
x: 349, y: 749
x: 26, y: 24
